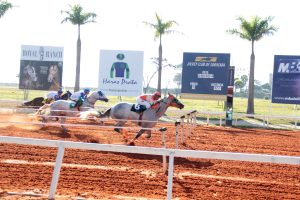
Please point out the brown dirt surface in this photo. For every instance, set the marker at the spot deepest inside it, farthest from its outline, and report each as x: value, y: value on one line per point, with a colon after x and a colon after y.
x: 106, y: 175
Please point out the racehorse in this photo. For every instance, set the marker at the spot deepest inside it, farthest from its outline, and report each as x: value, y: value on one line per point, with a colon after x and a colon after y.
x: 39, y: 101
x: 29, y: 77
x: 54, y: 77
x: 122, y: 112
x: 67, y: 108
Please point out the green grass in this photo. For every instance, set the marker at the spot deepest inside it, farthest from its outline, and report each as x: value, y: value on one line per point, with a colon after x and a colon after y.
x: 262, y: 107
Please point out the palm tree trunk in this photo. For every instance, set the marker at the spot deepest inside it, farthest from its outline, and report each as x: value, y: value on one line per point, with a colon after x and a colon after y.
x: 78, y: 56
x: 250, y: 107
x: 159, y: 65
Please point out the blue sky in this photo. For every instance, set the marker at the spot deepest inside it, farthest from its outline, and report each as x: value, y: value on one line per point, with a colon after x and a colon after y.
x: 119, y: 27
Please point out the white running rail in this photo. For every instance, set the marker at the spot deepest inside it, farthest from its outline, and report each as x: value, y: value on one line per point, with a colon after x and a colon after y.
x: 61, y: 145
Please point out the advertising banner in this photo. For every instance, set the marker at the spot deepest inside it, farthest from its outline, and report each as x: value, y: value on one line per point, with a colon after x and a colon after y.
x: 205, y: 75
x: 286, y: 79
x: 121, y: 72
x: 41, y: 67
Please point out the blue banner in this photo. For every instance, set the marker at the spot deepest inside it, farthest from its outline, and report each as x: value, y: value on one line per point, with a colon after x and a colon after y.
x: 286, y: 79
x: 205, y: 74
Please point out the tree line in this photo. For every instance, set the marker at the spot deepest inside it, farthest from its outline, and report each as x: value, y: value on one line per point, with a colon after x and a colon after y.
x: 252, y: 30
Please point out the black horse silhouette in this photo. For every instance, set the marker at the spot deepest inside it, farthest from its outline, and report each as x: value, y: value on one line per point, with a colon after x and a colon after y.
x: 39, y: 101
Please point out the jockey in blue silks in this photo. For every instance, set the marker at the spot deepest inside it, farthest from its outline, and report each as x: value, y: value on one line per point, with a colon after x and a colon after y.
x: 53, y: 95
x: 80, y: 96
x: 58, y: 95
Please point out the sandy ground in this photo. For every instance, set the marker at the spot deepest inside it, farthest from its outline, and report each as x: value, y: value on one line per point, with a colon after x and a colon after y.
x: 106, y: 175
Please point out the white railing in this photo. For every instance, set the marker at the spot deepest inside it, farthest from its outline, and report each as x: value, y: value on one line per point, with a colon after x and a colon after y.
x: 61, y: 145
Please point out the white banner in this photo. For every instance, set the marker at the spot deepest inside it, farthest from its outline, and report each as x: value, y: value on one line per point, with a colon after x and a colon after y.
x: 42, y: 53
x: 121, y: 72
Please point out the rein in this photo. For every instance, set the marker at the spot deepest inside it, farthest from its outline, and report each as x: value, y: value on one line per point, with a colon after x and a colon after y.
x: 161, y: 101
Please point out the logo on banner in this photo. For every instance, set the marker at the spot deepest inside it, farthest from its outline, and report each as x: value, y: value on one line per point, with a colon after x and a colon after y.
x: 205, y: 59
x: 289, y: 66
x: 119, y: 69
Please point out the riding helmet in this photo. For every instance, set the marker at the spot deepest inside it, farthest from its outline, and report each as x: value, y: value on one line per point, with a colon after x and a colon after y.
x: 86, y: 90
x: 157, y: 94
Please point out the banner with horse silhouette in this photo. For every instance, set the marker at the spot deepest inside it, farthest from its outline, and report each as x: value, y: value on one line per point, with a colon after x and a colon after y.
x: 205, y: 76
x: 41, y: 67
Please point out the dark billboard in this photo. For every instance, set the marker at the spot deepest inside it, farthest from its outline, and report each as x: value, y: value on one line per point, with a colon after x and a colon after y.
x: 286, y: 79
x: 205, y: 75
x: 40, y: 75
x: 41, y: 68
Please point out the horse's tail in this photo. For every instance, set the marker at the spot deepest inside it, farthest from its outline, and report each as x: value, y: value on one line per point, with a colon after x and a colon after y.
x: 106, y: 113
x: 90, y: 114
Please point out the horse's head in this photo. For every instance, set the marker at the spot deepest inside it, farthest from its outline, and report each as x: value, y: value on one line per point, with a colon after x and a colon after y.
x: 172, y: 101
x: 99, y: 95
x: 29, y: 72
x: 53, y: 73
x: 67, y: 95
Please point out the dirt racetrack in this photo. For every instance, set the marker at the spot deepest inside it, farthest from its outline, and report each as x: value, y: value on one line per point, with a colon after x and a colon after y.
x: 105, y: 175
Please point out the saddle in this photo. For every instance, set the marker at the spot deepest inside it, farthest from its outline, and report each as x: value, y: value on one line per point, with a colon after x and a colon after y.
x: 74, y: 105
x: 138, y: 108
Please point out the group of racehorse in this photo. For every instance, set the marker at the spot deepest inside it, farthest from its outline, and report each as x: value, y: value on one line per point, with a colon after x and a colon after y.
x: 120, y: 112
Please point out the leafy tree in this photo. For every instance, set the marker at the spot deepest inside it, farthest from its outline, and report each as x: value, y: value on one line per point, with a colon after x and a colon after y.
x: 4, y: 6
x: 253, y: 30
x: 238, y: 84
x: 178, y: 79
x: 244, y: 79
x: 160, y: 28
x: 77, y: 17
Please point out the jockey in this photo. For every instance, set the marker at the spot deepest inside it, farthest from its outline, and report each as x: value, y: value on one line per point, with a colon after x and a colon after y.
x: 80, y: 96
x: 58, y: 95
x: 147, y: 100
x: 53, y: 96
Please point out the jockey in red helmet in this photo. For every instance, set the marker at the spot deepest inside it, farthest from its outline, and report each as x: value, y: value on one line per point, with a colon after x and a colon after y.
x: 148, y: 100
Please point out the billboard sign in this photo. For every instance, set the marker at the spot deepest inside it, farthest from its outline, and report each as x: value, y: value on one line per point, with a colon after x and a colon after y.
x: 121, y: 72
x: 205, y: 75
x: 286, y: 79
x: 41, y: 67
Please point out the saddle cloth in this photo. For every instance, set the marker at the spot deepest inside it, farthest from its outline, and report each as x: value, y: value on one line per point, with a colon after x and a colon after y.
x: 138, y: 108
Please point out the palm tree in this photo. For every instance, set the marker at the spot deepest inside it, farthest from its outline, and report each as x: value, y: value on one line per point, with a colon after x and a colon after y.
x: 252, y: 31
x: 77, y: 17
x: 160, y: 28
x: 4, y: 6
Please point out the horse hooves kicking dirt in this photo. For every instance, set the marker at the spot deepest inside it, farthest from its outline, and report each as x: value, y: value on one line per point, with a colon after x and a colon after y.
x: 131, y: 143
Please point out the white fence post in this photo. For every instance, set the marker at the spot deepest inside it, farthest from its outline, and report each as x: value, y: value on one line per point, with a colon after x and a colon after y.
x: 170, y: 175
x: 176, y: 133
x: 182, y: 128
x: 56, y: 172
x: 163, y: 129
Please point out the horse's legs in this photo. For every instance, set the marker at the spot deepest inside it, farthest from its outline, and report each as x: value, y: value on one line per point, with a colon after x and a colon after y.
x: 122, y: 130
x: 62, y: 121
x: 148, y: 136
x: 137, y: 136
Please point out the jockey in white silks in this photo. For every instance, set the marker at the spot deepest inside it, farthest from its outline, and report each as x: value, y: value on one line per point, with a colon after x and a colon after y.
x: 147, y: 100
x: 53, y: 96
x: 79, y: 96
